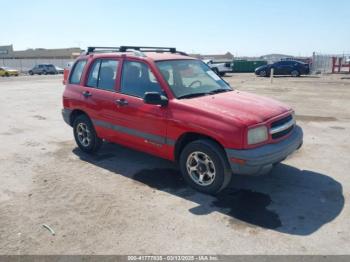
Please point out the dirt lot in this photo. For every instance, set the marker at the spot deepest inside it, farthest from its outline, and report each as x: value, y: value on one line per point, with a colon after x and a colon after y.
x: 122, y: 201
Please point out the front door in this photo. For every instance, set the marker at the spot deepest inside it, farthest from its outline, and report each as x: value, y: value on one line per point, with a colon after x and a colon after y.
x: 282, y: 68
x: 142, y: 126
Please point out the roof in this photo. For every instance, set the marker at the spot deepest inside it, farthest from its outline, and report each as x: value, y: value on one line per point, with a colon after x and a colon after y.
x: 155, y: 56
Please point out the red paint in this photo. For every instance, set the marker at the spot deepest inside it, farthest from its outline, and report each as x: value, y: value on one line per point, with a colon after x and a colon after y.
x: 224, y: 117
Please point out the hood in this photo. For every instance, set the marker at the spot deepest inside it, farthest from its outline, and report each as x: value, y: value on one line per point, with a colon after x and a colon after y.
x: 262, y: 67
x: 245, y: 108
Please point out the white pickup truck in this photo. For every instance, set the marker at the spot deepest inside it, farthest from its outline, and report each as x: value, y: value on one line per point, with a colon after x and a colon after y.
x: 219, y: 68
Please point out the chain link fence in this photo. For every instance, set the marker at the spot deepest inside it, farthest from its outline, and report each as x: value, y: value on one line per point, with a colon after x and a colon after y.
x: 323, y: 63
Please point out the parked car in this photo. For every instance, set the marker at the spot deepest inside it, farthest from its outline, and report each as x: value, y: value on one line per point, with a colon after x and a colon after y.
x: 173, y: 106
x: 7, y: 71
x: 219, y: 68
x: 66, y: 72
x: 290, y: 67
x: 43, y: 69
x: 59, y: 70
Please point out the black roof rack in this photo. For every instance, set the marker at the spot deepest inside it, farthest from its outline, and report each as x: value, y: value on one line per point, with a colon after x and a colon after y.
x: 102, y: 49
x: 95, y: 49
x: 148, y: 49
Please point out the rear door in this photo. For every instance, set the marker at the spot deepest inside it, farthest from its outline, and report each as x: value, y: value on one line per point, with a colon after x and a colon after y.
x: 99, y: 93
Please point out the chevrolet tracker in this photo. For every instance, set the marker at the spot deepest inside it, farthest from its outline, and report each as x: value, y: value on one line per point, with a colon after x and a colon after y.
x: 165, y: 103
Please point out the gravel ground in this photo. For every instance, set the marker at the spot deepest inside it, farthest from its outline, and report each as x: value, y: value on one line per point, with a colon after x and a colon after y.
x: 126, y: 202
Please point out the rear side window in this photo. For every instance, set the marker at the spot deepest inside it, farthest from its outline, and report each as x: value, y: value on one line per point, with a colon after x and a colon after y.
x: 103, y: 74
x: 77, y: 72
x: 93, y: 75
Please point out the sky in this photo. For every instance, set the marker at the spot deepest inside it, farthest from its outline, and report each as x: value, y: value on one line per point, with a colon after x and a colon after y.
x: 244, y: 28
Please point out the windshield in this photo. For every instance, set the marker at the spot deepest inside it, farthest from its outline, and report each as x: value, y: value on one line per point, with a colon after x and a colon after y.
x: 190, y: 78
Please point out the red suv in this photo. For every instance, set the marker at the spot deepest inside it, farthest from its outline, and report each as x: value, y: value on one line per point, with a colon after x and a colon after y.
x: 165, y: 103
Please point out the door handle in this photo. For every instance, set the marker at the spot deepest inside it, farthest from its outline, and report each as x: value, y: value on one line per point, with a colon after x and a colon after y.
x: 121, y: 102
x: 87, y: 94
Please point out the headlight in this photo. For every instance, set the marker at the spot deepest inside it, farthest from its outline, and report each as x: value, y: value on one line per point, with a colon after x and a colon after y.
x: 257, y: 135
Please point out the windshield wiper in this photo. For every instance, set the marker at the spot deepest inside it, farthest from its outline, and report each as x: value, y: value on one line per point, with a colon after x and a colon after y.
x: 216, y: 91
x: 193, y: 95
x: 220, y: 90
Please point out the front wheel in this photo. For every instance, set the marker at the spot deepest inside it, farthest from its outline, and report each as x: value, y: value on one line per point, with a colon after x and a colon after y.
x: 295, y: 73
x: 263, y: 73
x: 204, y: 166
x: 85, y: 135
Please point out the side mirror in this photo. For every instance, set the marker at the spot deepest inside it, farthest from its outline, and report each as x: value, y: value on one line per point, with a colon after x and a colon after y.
x: 155, y: 98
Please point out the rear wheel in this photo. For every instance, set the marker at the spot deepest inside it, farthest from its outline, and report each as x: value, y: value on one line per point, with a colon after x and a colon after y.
x: 204, y: 166
x: 85, y: 135
x: 44, y: 72
x: 7, y: 74
x: 31, y: 73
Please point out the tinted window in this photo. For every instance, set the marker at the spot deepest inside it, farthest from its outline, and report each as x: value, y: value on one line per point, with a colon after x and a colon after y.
x: 77, y: 72
x: 108, y: 74
x: 137, y: 79
x: 93, y: 75
x: 103, y: 74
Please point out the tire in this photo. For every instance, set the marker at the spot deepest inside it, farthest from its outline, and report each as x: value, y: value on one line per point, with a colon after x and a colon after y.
x: 31, y: 73
x: 295, y: 73
x: 222, y: 74
x: 87, y: 141
x: 7, y: 74
x: 44, y: 73
x: 263, y: 73
x: 218, y: 165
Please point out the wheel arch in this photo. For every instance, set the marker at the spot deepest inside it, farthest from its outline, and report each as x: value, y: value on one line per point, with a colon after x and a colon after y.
x: 75, y: 113
x: 189, y: 137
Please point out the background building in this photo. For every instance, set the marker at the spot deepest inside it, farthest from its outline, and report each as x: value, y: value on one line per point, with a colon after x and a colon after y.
x: 25, y: 59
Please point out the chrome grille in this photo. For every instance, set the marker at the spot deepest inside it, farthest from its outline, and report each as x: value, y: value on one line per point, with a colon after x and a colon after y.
x: 282, y: 127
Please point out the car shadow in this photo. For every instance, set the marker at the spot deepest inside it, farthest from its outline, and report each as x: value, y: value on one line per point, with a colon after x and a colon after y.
x: 288, y: 200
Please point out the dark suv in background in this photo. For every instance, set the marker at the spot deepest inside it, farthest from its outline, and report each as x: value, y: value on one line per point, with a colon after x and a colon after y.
x: 290, y: 67
x: 43, y: 69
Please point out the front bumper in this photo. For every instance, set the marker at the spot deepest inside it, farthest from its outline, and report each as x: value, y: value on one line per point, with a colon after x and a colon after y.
x: 260, y: 160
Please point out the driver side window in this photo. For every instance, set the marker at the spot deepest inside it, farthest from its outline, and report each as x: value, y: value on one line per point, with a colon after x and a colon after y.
x: 137, y: 79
